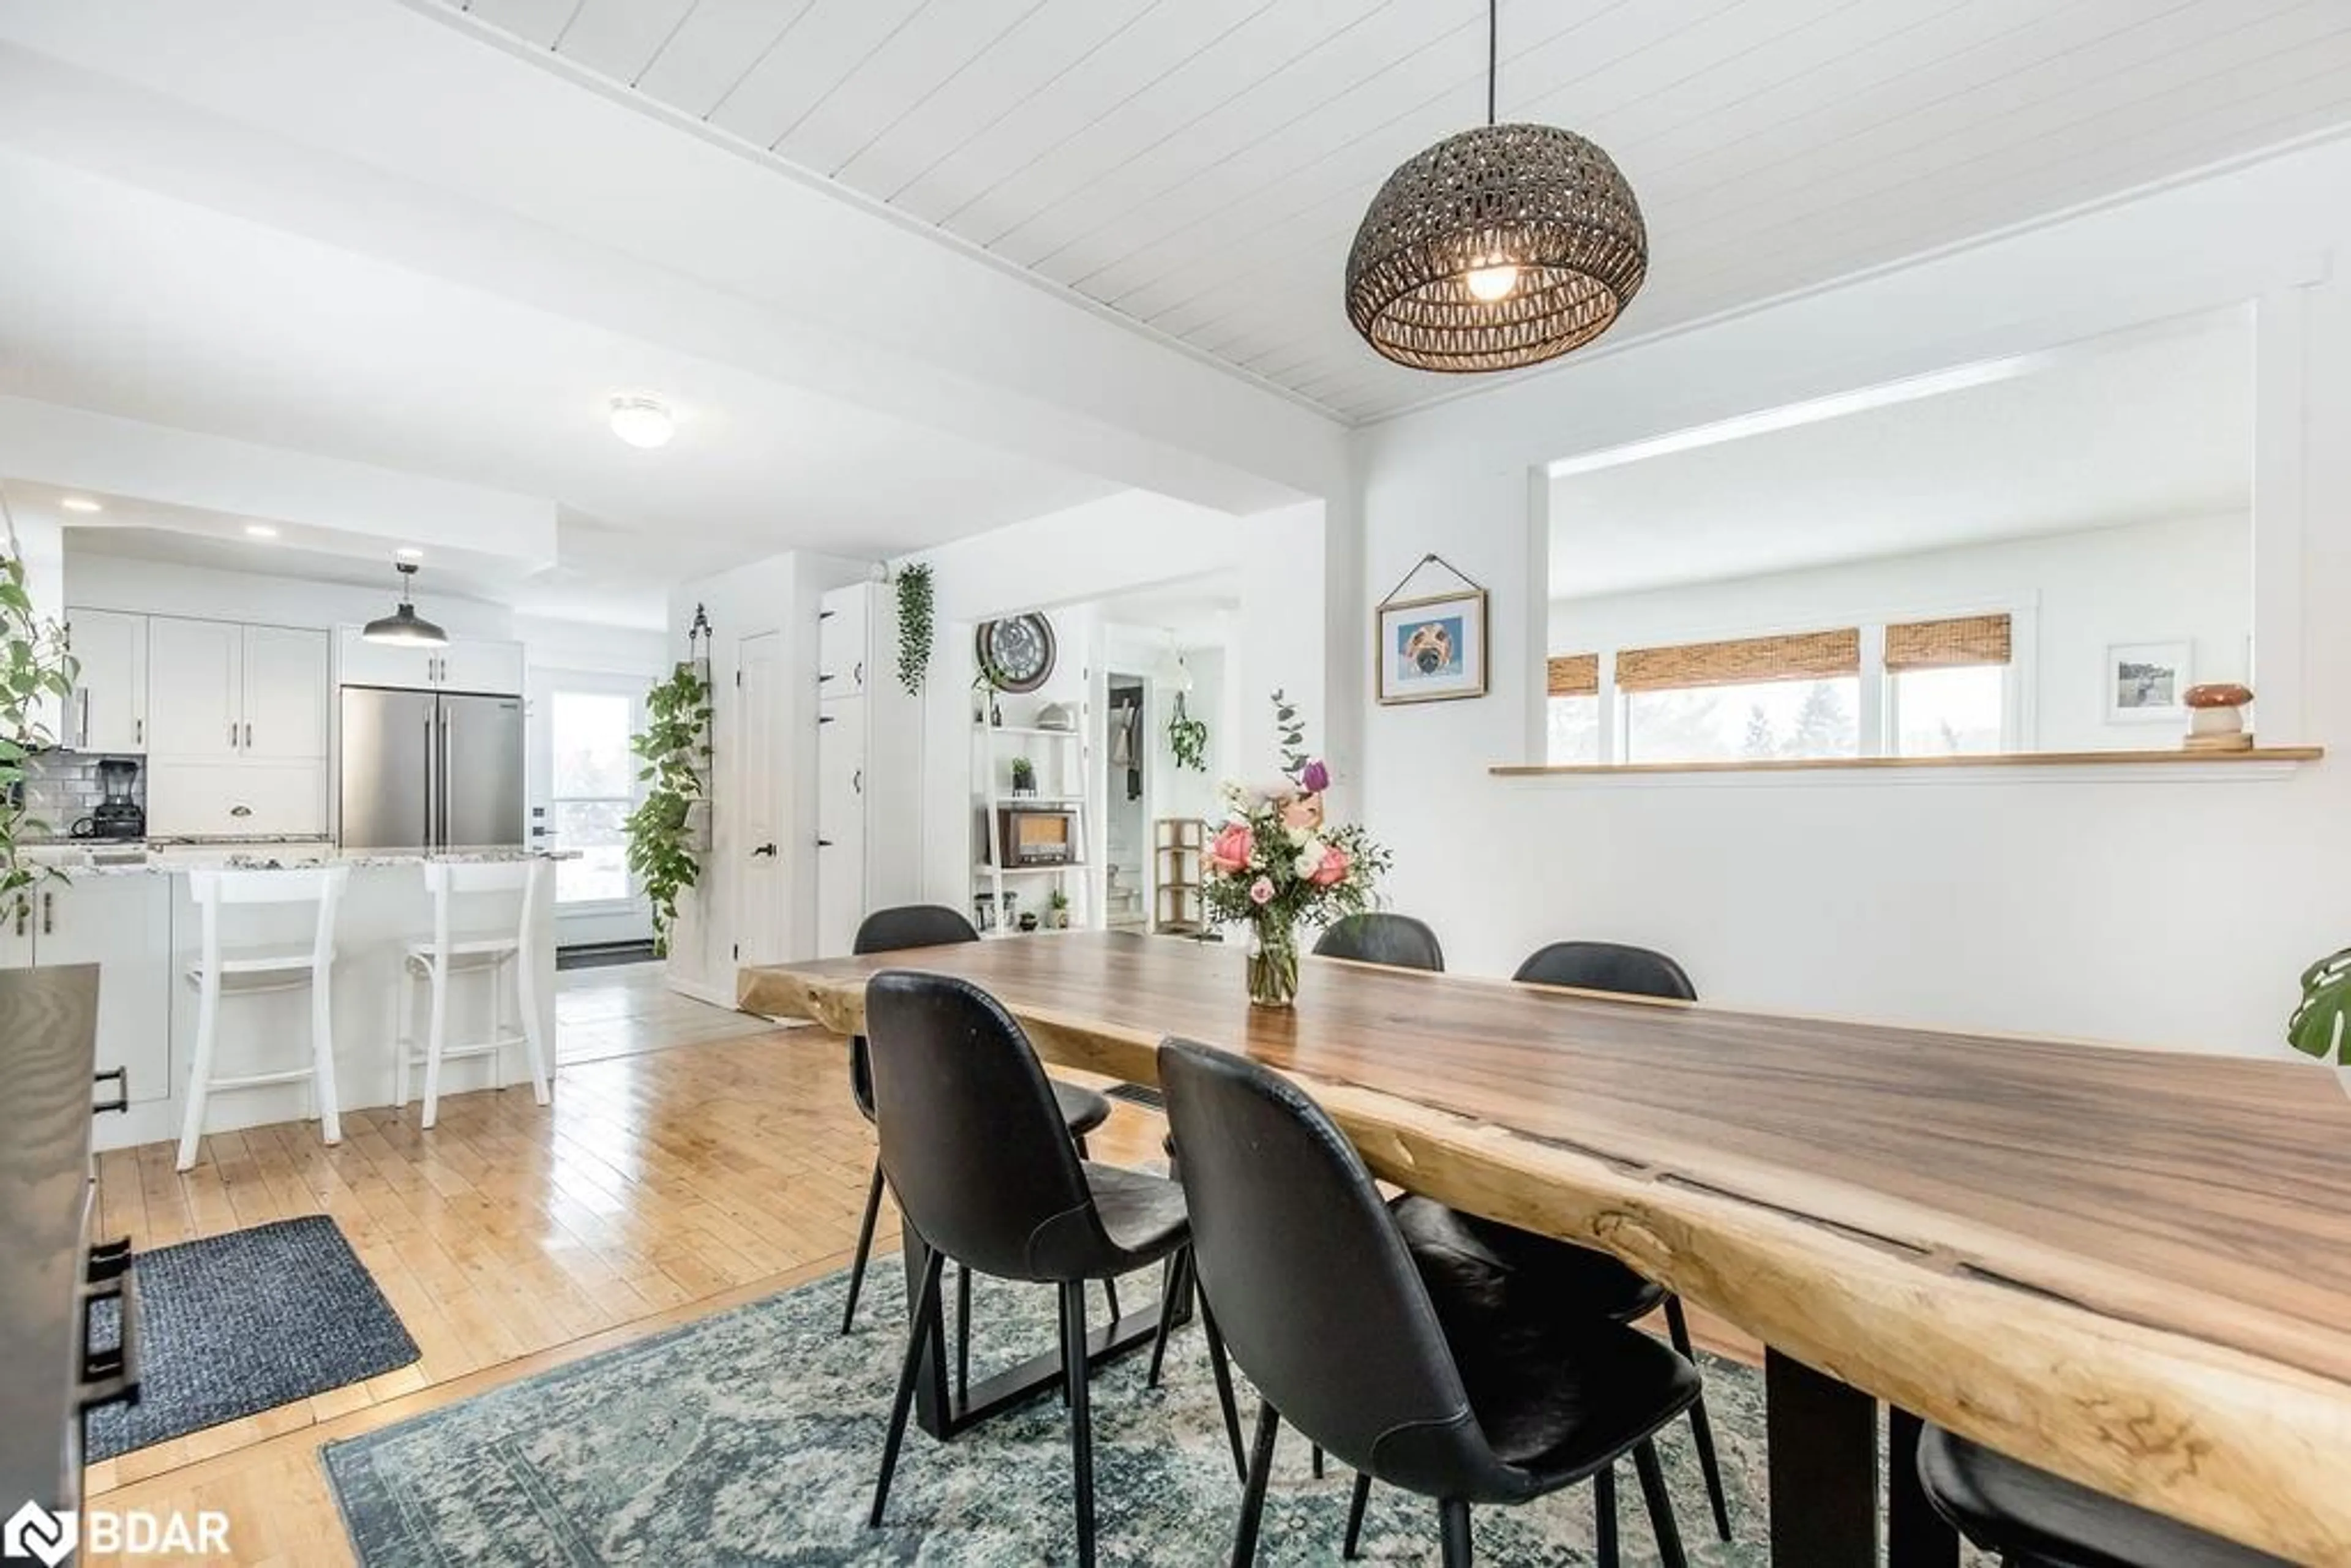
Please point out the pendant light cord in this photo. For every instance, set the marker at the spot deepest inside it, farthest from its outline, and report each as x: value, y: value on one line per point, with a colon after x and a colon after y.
x: 1493, y: 53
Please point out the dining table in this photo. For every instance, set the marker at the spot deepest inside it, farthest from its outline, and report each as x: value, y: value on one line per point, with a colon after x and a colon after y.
x: 2129, y: 1267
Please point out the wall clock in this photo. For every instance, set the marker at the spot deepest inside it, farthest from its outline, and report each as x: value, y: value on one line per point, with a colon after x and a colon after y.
x: 1016, y: 653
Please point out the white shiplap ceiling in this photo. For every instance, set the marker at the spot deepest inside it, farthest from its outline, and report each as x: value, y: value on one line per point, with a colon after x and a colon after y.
x: 1199, y: 166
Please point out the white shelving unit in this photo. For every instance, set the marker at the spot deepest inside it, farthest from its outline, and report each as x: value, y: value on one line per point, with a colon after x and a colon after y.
x: 1059, y: 756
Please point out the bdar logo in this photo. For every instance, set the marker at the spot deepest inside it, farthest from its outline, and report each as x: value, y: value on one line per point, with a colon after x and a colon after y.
x: 34, y: 1532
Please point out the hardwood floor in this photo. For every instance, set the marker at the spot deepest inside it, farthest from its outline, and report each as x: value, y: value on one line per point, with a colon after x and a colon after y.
x: 685, y: 1167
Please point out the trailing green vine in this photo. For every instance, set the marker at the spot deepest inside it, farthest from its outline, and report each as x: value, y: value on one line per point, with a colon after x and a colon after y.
x: 665, y: 831
x: 915, y: 626
x: 1187, y: 737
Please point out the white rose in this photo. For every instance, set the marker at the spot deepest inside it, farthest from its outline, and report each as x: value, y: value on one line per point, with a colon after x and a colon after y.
x: 1310, y: 857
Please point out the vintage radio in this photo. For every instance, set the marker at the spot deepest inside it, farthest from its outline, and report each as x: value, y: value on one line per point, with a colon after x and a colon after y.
x: 1038, y: 835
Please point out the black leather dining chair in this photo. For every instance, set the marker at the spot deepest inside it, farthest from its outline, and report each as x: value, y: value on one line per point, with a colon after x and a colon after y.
x: 974, y: 1146
x: 1424, y: 1379
x: 1379, y: 937
x: 896, y: 930
x: 1597, y: 1281
x: 2035, y: 1519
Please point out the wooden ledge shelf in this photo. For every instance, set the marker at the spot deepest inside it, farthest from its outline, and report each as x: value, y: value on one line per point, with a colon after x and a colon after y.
x: 1850, y: 764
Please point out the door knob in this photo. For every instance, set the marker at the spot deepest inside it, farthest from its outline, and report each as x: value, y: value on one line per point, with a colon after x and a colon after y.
x: 768, y: 850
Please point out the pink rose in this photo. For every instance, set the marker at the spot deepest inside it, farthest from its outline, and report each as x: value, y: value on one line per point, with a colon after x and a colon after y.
x: 1231, y: 851
x: 1306, y: 811
x: 1262, y: 891
x: 1333, y: 869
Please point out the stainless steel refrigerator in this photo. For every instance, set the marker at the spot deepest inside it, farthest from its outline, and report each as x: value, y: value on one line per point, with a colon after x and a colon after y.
x: 425, y: 771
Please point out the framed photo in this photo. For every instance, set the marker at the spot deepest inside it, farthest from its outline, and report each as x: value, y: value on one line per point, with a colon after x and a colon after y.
x: 2147, y: 683
x: 1433, y: 650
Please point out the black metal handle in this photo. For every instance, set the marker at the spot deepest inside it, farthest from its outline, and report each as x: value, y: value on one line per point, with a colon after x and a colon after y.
x: 121, y: 1100
x: 768, y: 850
x: 110, y: 1375
x: 824, y: 843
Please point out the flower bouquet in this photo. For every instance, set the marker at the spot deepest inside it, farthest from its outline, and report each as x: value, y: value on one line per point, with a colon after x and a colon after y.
x: 1275, y: 864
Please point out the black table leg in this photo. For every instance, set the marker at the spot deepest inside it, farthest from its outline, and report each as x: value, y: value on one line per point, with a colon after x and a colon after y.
x: 1916, y: 1536
x: 940, y: 1411
x: 1824, y: 1452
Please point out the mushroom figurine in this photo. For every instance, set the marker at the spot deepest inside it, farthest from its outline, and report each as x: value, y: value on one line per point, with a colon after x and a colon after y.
x: 2216, y: 718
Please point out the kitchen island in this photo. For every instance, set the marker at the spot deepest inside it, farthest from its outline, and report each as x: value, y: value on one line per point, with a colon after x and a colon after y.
x: 127, y: 909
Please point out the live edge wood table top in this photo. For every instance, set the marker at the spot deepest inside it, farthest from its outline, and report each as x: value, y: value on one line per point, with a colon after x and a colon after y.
x: 2131, y: 1268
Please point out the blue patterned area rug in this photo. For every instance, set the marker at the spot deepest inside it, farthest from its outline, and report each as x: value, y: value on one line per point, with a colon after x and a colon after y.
x: 231, y: 1325
x: 752, y: 1437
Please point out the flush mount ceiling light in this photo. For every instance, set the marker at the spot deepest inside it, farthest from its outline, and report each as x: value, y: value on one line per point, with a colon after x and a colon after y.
x: 403, y: 628
x: 642, y: 421
x: 1502, y: 246
x: 81, y: 503
x: 409, y: 552
x: 259, y: 531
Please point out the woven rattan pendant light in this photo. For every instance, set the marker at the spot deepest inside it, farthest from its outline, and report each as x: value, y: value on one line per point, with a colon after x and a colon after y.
x: 1502, y: 246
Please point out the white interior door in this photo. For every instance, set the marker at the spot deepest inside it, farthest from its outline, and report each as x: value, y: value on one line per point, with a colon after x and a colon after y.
x: 841, y: 825
x: 759, y: 778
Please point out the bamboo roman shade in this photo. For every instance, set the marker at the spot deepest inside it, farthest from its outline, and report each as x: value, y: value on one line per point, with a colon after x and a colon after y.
x: 1946, y: 644
x: 1575, y: 676
x: 1803, y: 656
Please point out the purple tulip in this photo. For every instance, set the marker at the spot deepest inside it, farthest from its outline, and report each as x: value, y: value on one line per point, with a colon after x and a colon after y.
x: 1314, y: 778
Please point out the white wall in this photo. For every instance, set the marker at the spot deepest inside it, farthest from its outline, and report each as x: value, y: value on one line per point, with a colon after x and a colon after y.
x: 1134, y: 540
x: 2153, y: 908
x: 2175, y: 578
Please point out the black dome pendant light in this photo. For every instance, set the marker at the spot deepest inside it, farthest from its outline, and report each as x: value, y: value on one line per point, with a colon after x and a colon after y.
x: 1497, y: 247
x: 403, y: 628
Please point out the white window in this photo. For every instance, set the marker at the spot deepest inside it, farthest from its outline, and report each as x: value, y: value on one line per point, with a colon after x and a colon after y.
x: 1574, y: 731
x: 1753, y: 722
x: 1955, y: 712
x: 592, y: 788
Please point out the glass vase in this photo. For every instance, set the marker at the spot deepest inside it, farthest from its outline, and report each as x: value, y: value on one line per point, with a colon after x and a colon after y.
x: 1272, y: 963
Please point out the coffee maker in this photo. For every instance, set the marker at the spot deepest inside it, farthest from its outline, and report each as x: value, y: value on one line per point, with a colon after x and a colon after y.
x: 120, y: 814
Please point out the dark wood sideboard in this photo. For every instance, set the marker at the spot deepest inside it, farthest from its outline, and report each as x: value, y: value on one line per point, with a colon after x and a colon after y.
x: 52, y: 1271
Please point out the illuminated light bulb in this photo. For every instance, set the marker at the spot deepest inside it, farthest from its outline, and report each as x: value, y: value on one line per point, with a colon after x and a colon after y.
x: 1492, y: 283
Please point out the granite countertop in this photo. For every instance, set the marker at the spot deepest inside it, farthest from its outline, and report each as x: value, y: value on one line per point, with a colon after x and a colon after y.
x: 163, y: 857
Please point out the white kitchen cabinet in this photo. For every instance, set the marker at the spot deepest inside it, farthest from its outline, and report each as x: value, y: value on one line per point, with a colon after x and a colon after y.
x: 206, y: 800
x: 869, y: 748
x: 482, y: 664
x: 488, y: 664
x: 109, y: 710
x: 284, y: 708
x: 17, y: 929
x: 360, y: 662
x: 195, y: 689
x: 123, y: 924
x: 841, y: 643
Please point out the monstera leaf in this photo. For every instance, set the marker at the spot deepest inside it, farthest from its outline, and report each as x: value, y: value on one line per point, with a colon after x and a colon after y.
x: 2319, y: 1022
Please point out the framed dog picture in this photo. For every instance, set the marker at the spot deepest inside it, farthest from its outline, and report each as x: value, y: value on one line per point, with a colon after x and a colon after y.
x: 1433, y: 650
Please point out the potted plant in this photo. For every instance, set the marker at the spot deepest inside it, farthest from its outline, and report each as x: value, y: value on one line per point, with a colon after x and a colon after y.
x: 916, y: 615
x: 2318, y: 1025
x: 1057, y: 903
x: 1275, y: 863
x: 670, y: 828
x: 1024, y: 779
x: 1187, y: 738
x: 40, y: 669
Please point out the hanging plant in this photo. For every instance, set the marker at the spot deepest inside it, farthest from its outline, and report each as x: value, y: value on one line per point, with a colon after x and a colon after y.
x: 666, y: 829
x: 39, y: 666
x: 1187, y: 737
x: 914, y: 627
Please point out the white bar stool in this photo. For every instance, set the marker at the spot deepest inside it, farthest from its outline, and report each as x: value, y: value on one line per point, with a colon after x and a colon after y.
x: 223, y: 970
x: 450, y: 953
